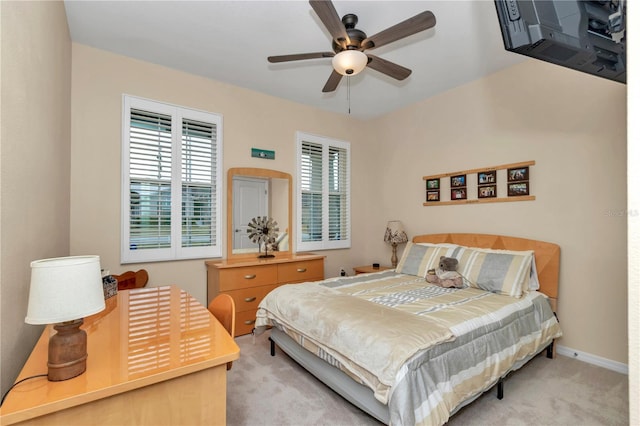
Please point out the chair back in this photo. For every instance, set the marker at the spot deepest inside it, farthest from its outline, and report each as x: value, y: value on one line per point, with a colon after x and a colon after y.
x: 131, y: 279
x: 224, y: 309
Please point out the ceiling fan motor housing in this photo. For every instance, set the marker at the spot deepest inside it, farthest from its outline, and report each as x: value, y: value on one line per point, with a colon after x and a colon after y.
x: 356, y: 37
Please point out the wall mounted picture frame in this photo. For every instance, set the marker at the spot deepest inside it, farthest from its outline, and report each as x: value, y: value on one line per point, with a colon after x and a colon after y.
x: 458, y: 194
x: 518, y: 174
x: 518, y: 189
x: 486, y: 185
x: 485, y: 178
x: 458, y: 181
x: 433, y: 184
x: 487, y: 191
x: 433, y: 195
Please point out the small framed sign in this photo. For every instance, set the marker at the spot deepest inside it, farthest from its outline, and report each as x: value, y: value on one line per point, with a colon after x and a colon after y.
x: 263, y: 153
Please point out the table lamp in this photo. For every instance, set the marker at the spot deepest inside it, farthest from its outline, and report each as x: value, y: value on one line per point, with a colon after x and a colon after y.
x: 63, y: 291
x: 394, y: 235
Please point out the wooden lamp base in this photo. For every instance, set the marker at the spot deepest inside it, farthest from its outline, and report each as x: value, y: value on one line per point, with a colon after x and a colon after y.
x: 67, y: 351
x: 394, y: 254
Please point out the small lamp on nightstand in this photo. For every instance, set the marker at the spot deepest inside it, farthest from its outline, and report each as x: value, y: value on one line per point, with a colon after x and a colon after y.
x: 394, y: 235
x: 63, y: 291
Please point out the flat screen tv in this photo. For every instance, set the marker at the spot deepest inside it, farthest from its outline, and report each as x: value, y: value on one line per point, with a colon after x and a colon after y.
x: 588, y: 36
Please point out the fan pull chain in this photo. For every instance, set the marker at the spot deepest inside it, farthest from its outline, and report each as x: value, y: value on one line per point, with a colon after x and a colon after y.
x: 349, y: 93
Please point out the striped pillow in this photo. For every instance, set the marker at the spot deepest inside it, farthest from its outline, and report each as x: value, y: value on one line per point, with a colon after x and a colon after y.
x: 417, y: 259
x: 498, y: 271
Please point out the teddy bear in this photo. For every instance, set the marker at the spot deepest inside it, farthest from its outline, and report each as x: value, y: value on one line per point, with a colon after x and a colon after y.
x: 445, y: 275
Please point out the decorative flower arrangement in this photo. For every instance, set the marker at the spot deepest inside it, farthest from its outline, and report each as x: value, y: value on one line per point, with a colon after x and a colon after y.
x: 263, y: 230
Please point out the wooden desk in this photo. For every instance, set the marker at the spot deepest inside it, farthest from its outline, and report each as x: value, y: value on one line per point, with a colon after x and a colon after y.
x: 156, y: 357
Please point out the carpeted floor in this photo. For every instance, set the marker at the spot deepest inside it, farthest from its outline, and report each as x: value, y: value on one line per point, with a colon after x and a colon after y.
x: 265, y: 390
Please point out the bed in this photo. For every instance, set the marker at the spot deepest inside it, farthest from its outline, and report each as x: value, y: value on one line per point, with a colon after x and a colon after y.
x: 409, y: 352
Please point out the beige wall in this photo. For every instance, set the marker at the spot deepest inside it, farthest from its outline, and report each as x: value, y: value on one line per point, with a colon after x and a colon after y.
x: 250, y: 120
x: 35, y: 162
x: 574, y: 126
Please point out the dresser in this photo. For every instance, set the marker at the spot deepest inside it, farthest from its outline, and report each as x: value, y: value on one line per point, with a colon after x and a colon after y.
x: 156, y: 356
x: 248, y: 281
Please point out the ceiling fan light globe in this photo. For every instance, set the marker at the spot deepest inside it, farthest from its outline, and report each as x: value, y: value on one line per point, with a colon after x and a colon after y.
x: 349, y: 62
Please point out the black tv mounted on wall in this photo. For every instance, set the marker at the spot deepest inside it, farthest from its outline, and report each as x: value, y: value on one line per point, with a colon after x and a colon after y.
x: 585, y: 35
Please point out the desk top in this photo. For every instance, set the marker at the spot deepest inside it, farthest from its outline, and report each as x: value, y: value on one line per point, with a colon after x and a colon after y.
x: 144, y: 336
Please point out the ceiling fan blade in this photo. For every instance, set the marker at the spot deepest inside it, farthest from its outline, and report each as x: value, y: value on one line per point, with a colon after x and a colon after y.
x: 420, y: 22
x: 332, y: 82
x: 329, y: 17
x: 300, y: 56
x: 389, y: 68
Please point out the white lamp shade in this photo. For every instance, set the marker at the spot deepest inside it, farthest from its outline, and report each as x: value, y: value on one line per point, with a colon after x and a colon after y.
x: 395, y: 233
x: 349, y: 62
x: 64, y: 289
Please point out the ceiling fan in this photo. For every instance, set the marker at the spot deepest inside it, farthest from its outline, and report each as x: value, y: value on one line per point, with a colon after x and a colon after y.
x: 349, y: 44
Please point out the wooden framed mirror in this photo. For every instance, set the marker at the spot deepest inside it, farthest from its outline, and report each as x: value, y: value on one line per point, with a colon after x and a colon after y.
x: 255, y: 192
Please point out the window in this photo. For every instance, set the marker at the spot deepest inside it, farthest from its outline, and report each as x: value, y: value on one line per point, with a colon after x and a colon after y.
x: 170, y: 182
x: 323, y: 192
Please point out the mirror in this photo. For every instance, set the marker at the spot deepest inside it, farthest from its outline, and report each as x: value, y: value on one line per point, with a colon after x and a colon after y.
x: 253, y: 192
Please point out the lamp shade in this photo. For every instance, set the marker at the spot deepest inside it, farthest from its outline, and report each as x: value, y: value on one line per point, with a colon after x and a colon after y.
x: 349, y: 62
x: 64, y: 289
x: 395, y: 233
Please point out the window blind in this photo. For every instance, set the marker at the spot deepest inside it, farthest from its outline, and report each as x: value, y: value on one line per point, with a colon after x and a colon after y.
x: 198, y: 189
x: 323, y: 193
x: 311, y: 181
x: 171, y: 167
x: 150, y: 180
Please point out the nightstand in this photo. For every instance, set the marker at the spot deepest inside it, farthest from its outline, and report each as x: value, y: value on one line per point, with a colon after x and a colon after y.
x: 369, y: 268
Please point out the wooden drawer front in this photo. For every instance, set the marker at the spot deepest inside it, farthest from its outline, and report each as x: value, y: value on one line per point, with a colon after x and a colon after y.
x: 249, y: 298
x: 306, y: 270
x: 250, y: 276
x: 245, y: 321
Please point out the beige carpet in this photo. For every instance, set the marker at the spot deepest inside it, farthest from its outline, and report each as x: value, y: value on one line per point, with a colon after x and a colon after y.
x: 265, y: 390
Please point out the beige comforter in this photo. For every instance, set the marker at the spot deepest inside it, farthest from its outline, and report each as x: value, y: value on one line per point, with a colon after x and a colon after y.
x: 380, y: 351
x: 374, y: 340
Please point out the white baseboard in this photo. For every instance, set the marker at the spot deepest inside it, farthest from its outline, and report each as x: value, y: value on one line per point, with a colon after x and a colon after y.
x: 593, y: 359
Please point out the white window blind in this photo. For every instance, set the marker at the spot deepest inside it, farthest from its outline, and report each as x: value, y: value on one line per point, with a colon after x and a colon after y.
x: 323, y: 193
x: 171, y: 173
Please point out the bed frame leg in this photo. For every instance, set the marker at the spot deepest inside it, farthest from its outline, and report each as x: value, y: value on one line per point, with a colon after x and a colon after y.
x: 273, y: 347
x: 550, y: 350
x: 501, y: 388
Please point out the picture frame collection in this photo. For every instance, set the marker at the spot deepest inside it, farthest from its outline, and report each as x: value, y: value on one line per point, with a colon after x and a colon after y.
x: 488, y: 184
x: 518, y: 181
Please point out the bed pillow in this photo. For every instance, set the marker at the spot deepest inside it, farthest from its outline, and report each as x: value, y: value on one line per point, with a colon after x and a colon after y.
x: 534, y: 282
x: 417, y: 259
x: 498, y: 271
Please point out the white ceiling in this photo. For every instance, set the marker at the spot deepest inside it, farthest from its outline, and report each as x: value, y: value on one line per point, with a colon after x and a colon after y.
x: 229, y: 41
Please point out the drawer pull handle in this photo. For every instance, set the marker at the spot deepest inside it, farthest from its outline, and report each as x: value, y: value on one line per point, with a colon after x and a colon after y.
x: 250, y: 299
x: 302, y: 269
x: 249, y: 276
x: 249, y: 322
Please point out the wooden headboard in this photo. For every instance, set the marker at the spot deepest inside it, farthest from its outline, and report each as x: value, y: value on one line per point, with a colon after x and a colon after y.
x: 547, y: 254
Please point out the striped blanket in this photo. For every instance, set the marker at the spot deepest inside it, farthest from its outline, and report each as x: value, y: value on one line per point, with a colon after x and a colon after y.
x: 423, y: 350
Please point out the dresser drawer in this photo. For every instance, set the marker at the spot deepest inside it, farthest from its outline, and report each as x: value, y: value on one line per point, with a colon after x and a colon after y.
x: 245, y: 322
x: 249, y: 298
x: 250, y: 276
x: 305, y: 270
